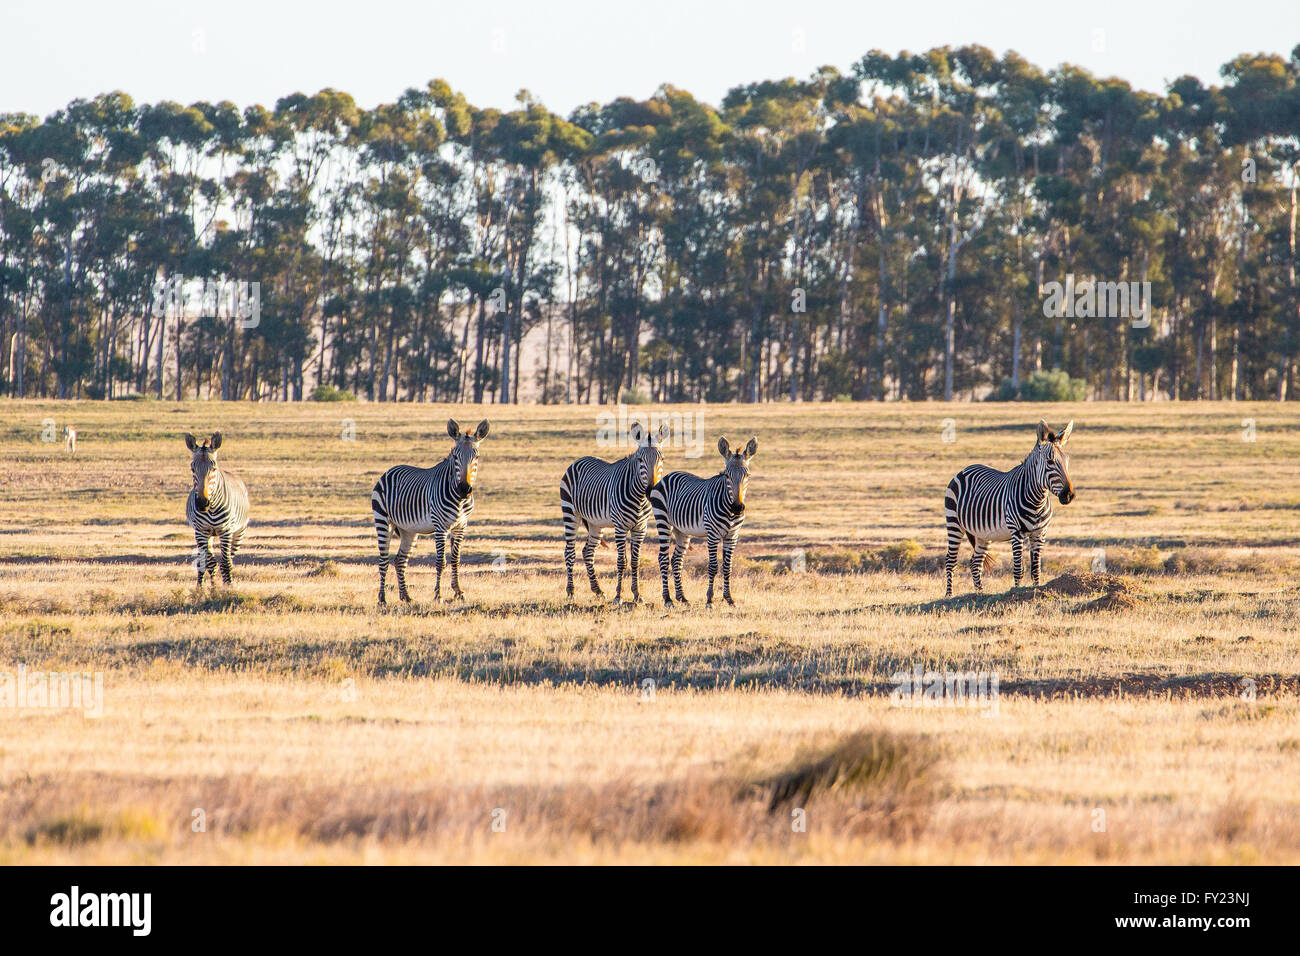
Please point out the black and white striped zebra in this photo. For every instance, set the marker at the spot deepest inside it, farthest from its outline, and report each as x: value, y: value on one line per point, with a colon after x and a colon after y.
x: 987, y: 505
x: 686, y: 506
x: 216, y: 509
x: 437, y: 501
x: 596, y: 494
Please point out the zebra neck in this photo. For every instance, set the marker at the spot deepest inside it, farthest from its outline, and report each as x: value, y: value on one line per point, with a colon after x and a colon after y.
x: 1030, y: 492
x: 722, y: 503
x: 218, y: 497
x: 631, y: 480
x: 451, y: 487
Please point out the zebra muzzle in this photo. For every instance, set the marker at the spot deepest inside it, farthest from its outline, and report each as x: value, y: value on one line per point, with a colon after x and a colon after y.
x: 464, y: 489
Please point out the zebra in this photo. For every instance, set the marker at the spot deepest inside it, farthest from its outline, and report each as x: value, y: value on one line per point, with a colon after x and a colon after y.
x: 597, y: 494
x: 687, y: 506
x: 436, y: 501
x: 988, y: 505
x: 217, y: 508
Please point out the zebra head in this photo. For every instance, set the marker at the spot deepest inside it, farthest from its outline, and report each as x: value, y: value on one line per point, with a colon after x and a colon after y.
x: 203, y: 465
x: 647, y: 458
x: 1051, y: 467
x: 464, y: 455
x: 737, y: 471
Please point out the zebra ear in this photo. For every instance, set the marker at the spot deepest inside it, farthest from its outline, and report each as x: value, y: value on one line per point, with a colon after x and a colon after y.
x: 216, y: 441
x: 637, y: 432
x: 663, y: 432
x: 1065, y: 433
x: 724, y: 447
x: 1043, y: 430
x: 481, y: 432
x: 189, y: 442
x: 752, y: 448
x: 452, y: 428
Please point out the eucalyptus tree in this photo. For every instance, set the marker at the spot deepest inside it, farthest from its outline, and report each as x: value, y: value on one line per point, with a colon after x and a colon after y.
x: 692, y: 320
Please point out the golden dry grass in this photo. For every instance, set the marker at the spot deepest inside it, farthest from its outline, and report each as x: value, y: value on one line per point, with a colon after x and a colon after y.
x: 307, y: 725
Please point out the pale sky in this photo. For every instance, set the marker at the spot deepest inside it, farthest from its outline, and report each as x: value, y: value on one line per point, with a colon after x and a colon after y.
x: 569, y: 52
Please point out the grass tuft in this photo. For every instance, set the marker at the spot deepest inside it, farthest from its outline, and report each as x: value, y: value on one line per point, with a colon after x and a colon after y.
x: 890, y: 777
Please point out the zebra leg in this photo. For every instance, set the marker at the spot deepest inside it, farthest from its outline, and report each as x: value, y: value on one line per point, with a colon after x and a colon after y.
x: 236, y: 540
x: 727, y: 545
x: 620, y: 539
x: 570, y: 555
x: 210, y: 561
x: 399, y: 564
x: 202, y: 557
x: 227, y: 542
x: 1036, y: 558
x: 589, y: 559
x: 977, y: 563
x: 383, y: 564
x: 662, y: 526
x: 713, y: 567
x: 634, y: 555
x: 382, y: 531
x: 454, y: 539
x: 439, y: 562
x: 678, y: 552
x: 1017, y: 546
x: 950, y: 561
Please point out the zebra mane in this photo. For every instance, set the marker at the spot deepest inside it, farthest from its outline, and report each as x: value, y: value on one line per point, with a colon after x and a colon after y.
x: 1037, y: 451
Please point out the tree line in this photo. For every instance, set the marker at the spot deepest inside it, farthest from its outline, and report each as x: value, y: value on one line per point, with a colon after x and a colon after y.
x: 885, y: 233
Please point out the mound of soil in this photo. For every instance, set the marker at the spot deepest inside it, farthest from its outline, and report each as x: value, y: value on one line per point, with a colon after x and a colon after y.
x: 1084, y: 583
x: 1112, y: 601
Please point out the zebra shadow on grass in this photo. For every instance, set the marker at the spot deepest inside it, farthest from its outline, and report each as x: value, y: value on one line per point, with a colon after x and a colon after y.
x: 1072, y: 590
x: 982, y: 600
x: 523, y: 609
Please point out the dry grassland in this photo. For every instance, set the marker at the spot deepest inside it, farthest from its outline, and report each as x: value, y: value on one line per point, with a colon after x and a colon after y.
x: 1151, y: 715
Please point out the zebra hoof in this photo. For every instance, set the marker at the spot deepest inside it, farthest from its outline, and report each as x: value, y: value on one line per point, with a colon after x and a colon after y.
x: 668, y: 602
x: 405, y: 598
x: 729, y: 601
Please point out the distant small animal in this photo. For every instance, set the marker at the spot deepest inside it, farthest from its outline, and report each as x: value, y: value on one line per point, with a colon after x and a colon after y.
x: 987, y: 505
x: 69, y: 439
